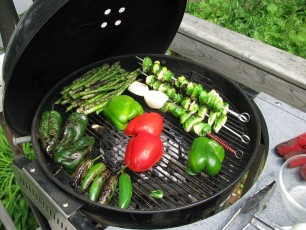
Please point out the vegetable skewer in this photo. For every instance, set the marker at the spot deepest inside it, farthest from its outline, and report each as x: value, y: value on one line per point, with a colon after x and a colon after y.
x: 193, y: 107
x: 166, y: 75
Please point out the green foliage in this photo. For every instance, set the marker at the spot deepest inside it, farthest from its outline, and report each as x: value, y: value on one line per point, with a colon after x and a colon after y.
x: 10, y: 193
x: 279, y: 23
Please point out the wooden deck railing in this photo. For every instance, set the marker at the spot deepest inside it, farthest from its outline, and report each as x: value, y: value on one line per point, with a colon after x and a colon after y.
x: 252, y: 63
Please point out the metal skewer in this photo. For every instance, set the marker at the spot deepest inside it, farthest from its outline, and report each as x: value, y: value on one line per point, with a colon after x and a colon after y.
x: 244, y: 117
x: 244, y: 138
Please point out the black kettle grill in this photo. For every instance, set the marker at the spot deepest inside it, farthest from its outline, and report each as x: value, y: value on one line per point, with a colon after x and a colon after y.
x: 56, y: 42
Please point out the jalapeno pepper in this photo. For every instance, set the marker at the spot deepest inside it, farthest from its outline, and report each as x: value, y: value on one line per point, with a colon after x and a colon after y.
x: 94, y: 171
x: 70, y: 158
x: 96, y: 186
x: 125, y: 190
x: 205, y: 154
x: 50, y: 130
x: 108, y: 189
x: 80, y: 172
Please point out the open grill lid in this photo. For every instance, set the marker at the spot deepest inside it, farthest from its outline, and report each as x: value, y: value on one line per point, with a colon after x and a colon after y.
x: 55, y: 38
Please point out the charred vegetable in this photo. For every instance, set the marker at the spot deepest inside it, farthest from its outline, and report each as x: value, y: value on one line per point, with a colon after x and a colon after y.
x: 108, y: 189
x: 92, y: 173
x: 81, y: 171
x: 70, y: 158
x: 50, y: 130
x: 73, y: 130
x: 93, y: 89
x: 96, y: 186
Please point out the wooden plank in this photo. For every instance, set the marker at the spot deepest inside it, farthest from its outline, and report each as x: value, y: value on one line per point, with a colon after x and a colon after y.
x: 287, y: 84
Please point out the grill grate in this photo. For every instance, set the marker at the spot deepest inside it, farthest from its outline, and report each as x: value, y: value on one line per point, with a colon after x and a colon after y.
x: 180, y: 189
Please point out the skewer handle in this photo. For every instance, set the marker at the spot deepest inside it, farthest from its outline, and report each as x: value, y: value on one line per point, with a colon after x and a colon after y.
x: 238, y: 153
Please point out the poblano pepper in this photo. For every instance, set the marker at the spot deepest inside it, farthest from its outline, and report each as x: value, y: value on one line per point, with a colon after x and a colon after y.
x: 205, y: 154
x: 121, y: 109
x: 73, y: 130
x: 70, y: 158
x: 50, y: 130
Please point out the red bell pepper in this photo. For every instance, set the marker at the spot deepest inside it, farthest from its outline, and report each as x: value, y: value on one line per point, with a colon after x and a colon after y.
x: 296, y: 144
x: 146, y: 123
x: 143, y: 152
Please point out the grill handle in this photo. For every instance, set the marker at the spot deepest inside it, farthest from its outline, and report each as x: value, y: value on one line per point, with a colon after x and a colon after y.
x: 21, y: 140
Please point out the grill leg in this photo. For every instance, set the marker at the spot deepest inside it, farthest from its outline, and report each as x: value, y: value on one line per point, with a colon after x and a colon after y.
x: 46, y: 199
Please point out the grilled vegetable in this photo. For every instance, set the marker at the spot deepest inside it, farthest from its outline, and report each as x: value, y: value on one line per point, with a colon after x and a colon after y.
x: 201, y: 129
x: 145, y: 123
x: 70, y: 158
x: 73, y: 130
x: 219, y: 123
x: 189, y: 120
x: 94, y: 171
x: 157, y: 194
x: 146, y: 64
x: 121, y: 109
x: 212, y: 117
x: 80, y: 172
x: 108, y: 189
x: 125, y: 190
x: 155, y: 99
x: 143, y: 152
x: 96, y: 186
x: 91, y: 91
x: 50, y: 130
x: 138, y: 88
x: 195, y: 91
x: 205, y: 154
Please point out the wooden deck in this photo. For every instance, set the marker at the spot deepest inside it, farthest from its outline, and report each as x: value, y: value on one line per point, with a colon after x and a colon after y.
x: 252, y: 63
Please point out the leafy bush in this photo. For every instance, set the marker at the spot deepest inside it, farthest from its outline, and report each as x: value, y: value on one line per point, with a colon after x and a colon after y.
x: 279, y: 23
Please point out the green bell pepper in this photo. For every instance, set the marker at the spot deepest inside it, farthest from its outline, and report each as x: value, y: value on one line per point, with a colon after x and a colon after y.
x: 205, y: 154
x: 120, y: 109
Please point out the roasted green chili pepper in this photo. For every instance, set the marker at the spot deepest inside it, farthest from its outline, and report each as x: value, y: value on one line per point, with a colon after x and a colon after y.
x: 94, y: 171
x: 96, y: 186
x: 74, y: 129
x: 125, y: 190
x: 81, y: 171
x: 108, y: 189
x: 72, y: 157
x: 50, y: 130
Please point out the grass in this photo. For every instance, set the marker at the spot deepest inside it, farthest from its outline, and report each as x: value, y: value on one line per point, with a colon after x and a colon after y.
x: 279, y: 23
x: 10, y: 192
